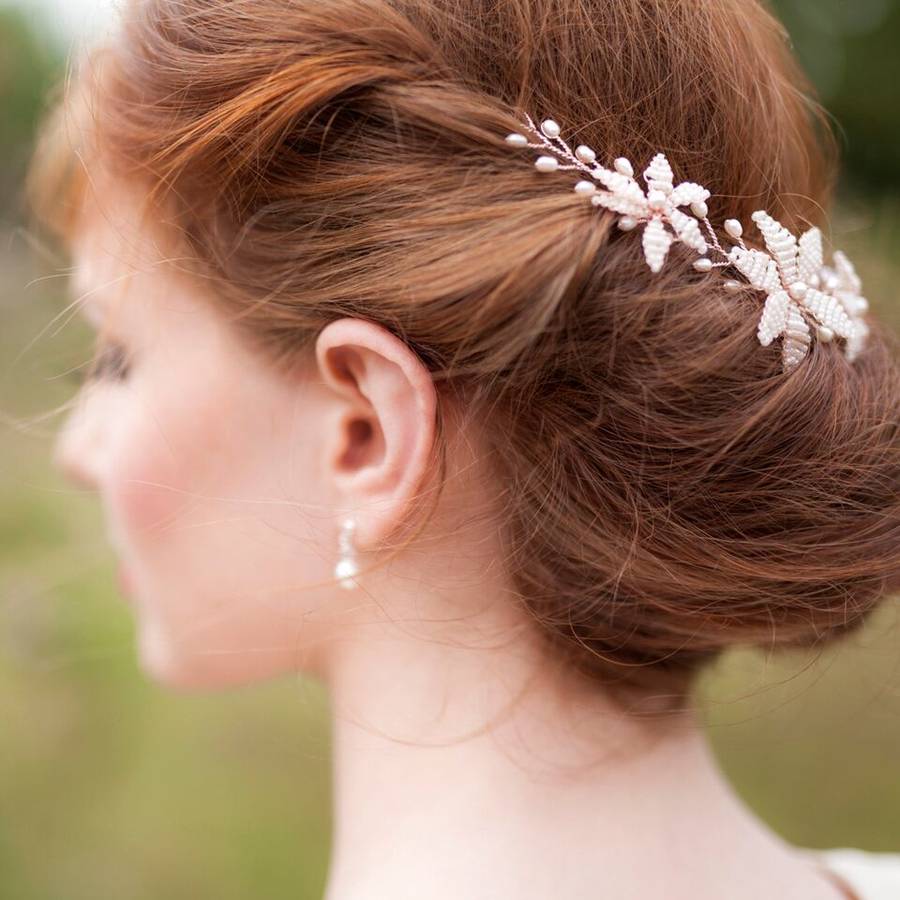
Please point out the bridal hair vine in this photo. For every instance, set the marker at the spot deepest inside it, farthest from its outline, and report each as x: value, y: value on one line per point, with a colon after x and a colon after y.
x: 801, y: 291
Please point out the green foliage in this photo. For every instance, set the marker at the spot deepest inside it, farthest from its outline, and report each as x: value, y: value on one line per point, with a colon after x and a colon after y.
x: 849, y: 49
x: 29, y: 67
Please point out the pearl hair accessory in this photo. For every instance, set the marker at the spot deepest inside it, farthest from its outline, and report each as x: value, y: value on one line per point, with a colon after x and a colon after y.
x: 801, y: 291
x: 347, y: 566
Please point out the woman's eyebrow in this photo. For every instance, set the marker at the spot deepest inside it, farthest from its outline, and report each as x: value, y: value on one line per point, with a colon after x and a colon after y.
x: 88, y: 303
x: 88, y: 295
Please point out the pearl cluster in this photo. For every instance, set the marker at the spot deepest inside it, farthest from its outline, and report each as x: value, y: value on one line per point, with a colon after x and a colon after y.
x: 800, y: 290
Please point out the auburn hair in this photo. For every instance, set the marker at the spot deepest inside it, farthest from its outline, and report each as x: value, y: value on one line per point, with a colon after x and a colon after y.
x: 667, y: 491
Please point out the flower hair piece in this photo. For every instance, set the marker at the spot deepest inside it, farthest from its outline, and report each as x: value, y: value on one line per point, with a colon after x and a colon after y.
x: 802, y: 293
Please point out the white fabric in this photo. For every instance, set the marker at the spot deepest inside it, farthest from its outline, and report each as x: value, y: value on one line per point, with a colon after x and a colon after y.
x: 871, y: 875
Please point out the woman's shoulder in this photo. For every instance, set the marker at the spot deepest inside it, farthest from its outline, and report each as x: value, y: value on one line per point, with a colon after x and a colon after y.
x: 870, y: 874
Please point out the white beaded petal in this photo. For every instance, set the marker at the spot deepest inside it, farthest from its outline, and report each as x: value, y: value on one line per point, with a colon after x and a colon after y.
x: 847, y: 285
x: 796, y: 341
x: 687, y: 229
x: 809, y: 260
x: 774, y: 317
x: 658, y: 175
x: 619, y: 182
x: 687, y: 192
x: 780, y: 243
x: 622, y: 203
x: 757, y: 267
x: 656, y: 242
x: 829, y: 311
x: 857, y: 340
x: 846, y: 272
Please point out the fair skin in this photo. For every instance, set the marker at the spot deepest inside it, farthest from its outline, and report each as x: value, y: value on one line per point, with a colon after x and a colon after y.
x: 467, y: 762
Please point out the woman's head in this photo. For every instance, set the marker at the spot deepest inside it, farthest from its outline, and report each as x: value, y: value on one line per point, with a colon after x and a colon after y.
x: 220, y: 477
x: 347, y: 295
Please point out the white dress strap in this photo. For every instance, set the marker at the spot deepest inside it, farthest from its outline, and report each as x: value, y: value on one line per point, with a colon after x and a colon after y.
x: 869, y: 874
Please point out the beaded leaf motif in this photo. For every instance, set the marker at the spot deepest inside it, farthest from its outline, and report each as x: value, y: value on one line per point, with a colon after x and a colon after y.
x: 656, y: 207
x: 790, y: 275
x: 800, y: 289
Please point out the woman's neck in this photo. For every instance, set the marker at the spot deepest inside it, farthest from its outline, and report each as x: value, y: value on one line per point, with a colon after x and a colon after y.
x: 555, y: 794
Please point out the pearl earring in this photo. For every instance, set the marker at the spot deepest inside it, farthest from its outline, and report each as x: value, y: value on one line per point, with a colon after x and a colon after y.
x: 346, y: 566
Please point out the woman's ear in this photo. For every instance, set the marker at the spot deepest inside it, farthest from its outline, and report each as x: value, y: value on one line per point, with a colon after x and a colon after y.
x: 383, y: 431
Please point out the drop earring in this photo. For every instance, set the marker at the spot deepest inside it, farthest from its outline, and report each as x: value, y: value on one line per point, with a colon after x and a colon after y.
x: 346, y: 566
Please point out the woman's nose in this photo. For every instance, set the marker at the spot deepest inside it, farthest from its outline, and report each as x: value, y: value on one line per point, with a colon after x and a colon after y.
x: 71, y: 468
x: 72, y: 452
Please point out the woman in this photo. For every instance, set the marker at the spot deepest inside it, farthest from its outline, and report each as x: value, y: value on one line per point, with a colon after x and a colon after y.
x: 378, y: 401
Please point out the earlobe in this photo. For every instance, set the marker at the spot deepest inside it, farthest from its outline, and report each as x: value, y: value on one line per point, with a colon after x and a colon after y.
x: 380, y: 452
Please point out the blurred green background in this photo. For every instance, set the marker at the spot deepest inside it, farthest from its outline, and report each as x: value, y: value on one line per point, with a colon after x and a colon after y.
x: 113, y: 788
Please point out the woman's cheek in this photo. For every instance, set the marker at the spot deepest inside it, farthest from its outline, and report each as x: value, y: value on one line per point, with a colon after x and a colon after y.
x: 171, y: 459
x: 143, y: 499
x: 150, y: 483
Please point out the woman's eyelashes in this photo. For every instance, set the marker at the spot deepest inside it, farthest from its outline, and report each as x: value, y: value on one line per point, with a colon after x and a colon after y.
x: 109, y: 362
